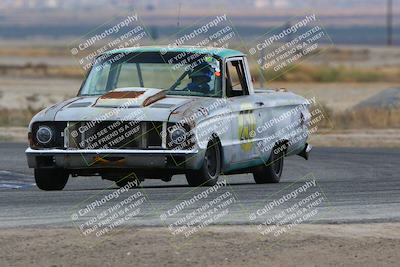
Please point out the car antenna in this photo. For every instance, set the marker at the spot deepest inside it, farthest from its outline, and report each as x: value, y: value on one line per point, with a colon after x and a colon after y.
x: 178, y: 24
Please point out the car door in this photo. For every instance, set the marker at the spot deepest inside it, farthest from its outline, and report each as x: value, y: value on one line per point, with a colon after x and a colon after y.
x: 243, y: 117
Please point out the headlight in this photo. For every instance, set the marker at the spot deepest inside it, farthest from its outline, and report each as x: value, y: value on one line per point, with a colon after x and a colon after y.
x: 44, y: 135
x: 178, y: 135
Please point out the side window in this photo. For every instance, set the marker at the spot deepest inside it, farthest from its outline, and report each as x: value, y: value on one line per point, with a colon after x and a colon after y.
x: 236, y: 84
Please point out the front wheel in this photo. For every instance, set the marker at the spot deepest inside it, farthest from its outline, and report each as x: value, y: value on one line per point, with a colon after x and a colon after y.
x: 271, y: 172
x: 209, y: 172
x: 51, y: 179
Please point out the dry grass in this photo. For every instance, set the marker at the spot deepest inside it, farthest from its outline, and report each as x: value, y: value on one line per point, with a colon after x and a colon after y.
x: 17, y: 117
x: 346, y: 55
x: 368, y: 118
x: 42, y: 70
x: 361, y: 118
x: 34, y: 52
x: 328, y: 74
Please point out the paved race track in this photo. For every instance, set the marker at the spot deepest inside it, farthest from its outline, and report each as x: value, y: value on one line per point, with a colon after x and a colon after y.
x: 356, y: 185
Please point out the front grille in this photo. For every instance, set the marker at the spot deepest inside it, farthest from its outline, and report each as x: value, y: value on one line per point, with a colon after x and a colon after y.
x: 114, y: 135
x: 111, y: 135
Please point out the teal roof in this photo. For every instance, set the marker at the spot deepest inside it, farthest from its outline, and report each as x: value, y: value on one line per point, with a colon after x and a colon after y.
x: 215, y: 51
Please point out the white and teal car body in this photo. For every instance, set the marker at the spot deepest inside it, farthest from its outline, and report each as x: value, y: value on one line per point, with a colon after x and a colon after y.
x: 153, y: 112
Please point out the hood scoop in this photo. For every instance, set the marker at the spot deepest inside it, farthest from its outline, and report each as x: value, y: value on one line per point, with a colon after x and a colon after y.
x: 80, y: 105
x: 130, y: 97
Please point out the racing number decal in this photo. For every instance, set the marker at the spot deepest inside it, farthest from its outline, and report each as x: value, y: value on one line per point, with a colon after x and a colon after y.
x: 247, y: 127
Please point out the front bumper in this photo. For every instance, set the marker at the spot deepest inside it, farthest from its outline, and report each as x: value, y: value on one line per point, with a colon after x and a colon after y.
x: 114, y: 158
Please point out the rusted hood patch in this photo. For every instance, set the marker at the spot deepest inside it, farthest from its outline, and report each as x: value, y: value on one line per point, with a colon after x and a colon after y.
x: 121, y: 95
x: 130, y: 97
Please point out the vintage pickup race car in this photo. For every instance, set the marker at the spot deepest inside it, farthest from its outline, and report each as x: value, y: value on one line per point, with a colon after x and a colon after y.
x: 153, y: 112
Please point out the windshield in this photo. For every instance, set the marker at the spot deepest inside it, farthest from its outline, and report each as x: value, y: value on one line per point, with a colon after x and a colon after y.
x: 176, y: 73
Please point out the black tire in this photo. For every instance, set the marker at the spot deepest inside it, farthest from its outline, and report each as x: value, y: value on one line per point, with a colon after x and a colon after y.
x: 209, y: 172
x: 51, y: 179
x: 271, y: 172
x: 167, y: 178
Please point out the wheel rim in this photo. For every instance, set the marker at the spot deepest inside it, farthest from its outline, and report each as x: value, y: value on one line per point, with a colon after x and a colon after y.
x: 211, y: 160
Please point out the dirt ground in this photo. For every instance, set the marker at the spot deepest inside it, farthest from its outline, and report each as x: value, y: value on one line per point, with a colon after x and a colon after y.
x: 336, y: 96
x: 305, y: 245
x: 378, y: 138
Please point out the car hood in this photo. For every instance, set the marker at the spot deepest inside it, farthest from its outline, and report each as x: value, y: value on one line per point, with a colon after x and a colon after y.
x: 146, y: 104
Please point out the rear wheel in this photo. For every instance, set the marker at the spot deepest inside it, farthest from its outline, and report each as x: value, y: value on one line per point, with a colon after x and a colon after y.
x: 209, y: 172
x: 51, y: 179
x: 271, y: 172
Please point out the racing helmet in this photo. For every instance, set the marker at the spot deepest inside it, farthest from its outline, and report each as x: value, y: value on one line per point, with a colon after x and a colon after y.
x: 201, y: 75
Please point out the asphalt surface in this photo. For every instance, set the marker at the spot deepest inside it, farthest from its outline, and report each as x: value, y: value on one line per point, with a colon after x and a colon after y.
x: 352, y: 185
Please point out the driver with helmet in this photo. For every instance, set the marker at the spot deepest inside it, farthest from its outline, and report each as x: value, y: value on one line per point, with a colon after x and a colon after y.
x: 201, y: 76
